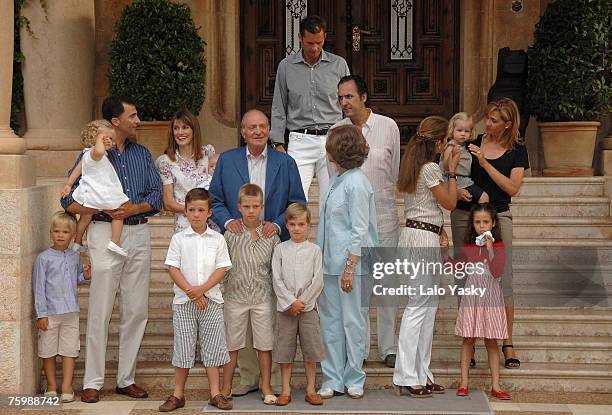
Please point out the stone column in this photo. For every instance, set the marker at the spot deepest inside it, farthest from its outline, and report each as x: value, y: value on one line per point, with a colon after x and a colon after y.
x: 15, y: 171
x: 58, y: 76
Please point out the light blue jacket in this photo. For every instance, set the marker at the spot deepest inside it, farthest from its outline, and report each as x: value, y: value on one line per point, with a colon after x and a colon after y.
x: 347, y: 221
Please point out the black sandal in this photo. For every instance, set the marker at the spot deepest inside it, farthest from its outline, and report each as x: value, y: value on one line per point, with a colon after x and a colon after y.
x: 415, y: 393
x: 510, y: 362
x: 435, y: 388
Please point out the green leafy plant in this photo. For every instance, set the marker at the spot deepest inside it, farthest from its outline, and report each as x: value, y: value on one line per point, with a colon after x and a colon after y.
x: 157, y: 59
x: 570, y: 62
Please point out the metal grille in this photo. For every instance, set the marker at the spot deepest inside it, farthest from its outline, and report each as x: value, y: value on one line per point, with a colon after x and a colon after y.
x: 402, y: 22
x: 295, y: 11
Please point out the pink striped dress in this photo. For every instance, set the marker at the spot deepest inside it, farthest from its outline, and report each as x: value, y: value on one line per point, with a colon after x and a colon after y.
x: 483, y: 316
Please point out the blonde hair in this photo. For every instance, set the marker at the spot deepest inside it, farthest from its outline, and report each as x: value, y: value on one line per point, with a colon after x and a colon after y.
x: 421, y: 149
x: 63, y: 218
x: 297, y: 209
x: 460, y: 116
x: 250, y: 190
x: 89, y: 134
x: 508, y: 112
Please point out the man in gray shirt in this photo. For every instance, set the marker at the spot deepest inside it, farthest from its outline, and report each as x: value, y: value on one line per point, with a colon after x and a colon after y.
x: 306, y: 102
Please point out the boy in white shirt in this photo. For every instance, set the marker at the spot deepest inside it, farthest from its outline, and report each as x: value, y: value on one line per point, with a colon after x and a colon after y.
x: 198, y: 259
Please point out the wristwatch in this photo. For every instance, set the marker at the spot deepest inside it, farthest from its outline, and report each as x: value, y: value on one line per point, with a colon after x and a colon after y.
x: 349, y: 263
x: 452, y: 176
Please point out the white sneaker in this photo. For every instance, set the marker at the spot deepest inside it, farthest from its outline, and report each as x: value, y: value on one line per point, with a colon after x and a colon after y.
x: 116, y: 248
x: 78, y: 248
x: 67, y: 397
x: 326, y: 393
x: 355, y: 392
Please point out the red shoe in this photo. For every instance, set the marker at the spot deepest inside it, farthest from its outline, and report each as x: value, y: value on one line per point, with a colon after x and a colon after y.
x: 500, y: 395
x: 463, y: 392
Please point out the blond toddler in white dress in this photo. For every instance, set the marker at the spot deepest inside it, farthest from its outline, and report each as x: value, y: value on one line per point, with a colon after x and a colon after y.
x: 99, y: 187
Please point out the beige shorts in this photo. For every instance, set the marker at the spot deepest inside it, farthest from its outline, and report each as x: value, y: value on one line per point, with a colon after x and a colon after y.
x: 61, y: 337
x: 236, y: 317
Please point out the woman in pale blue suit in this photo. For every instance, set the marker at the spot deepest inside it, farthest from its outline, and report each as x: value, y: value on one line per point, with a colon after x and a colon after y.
x: 347, y: 224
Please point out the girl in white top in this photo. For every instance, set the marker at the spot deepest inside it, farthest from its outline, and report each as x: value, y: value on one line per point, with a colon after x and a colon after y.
x: 99, y: 186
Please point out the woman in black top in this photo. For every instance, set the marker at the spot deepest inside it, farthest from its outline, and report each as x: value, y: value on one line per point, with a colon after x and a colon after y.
x: 499, y: 162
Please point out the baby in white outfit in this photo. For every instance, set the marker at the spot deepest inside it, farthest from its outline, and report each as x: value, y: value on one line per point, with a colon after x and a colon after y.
x: 99, y: 187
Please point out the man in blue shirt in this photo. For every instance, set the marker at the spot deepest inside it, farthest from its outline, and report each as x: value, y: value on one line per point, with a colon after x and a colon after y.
x: 142, y: 184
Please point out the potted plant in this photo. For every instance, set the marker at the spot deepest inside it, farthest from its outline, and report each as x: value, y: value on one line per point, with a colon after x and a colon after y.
x: 570, y: 82
x: 157, y: 59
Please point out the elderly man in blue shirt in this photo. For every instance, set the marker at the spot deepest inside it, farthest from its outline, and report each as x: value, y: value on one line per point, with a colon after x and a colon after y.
x: 142, y: 184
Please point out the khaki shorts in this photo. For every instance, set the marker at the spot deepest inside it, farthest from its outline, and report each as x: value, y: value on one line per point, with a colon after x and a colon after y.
x: 306, y: 325
x: 61, y: 337
x: 236, y: 317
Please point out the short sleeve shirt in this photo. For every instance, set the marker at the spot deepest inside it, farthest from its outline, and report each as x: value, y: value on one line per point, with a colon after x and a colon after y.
x: 422, y: 204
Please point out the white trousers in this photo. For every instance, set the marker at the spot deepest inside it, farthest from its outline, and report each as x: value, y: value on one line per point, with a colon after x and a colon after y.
x: 310, y: 155
x: 131, y: 276
x: 417, y: 327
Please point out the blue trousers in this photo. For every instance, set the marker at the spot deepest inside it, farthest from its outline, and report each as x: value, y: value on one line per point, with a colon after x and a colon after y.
x: 343, y: 328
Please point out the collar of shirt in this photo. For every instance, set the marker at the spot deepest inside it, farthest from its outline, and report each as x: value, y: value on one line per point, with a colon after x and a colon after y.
x: 247, y: 231
x: 190, y: 232
x: 262, y: 156
x: 299, y: 58
x: 58, y: 253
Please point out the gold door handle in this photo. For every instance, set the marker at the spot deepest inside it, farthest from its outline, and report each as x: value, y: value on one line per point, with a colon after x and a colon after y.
x: 357, y: 31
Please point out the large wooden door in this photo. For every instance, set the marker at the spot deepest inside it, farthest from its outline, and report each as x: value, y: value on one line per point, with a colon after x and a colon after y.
x: 407, y: 51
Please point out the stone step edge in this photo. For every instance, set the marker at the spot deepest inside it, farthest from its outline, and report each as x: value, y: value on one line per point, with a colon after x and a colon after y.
x: 527, y: 370
x: 524, y: 343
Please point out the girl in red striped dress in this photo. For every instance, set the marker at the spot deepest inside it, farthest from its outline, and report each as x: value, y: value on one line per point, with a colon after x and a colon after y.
x: 481, y: 310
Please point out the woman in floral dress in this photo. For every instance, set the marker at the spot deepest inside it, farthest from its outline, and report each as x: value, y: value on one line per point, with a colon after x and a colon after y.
x: 184, y: 166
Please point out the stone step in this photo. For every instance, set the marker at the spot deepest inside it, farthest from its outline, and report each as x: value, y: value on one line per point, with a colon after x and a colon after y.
x: 545, y: 377
x: 534, y: 186
x: 543, y: 227
x: 446, y: 348
x: 584, y: 283
x: 550, y: 250
x: 528, y: 321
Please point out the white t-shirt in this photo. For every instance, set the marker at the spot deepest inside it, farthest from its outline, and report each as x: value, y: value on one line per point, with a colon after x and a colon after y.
x: 198, y: 256
x: 99, y: 187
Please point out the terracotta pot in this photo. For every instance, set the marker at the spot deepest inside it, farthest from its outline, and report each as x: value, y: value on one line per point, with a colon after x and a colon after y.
x: 154, y: 136
x: 568, y: 147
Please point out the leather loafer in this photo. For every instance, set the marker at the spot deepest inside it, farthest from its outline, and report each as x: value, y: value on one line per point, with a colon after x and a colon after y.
x: 283, y: 400
x: 90, y: 395
x: 133, y: 391
x: 313, y: 399
x: 172, y: 403
x: 221, y: 402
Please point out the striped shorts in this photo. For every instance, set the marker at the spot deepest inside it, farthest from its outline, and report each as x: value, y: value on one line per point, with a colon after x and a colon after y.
x: 208, y: 324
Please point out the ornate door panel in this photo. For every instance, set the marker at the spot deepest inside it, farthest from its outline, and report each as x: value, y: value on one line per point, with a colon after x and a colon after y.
x: 405, y: 50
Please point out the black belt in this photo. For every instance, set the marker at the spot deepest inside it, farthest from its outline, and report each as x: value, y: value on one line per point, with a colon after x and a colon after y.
x: 99, y: 217
x: 316, y: 131
x: 424, y: 226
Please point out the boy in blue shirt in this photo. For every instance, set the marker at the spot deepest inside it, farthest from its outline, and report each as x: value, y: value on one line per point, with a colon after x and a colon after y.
x: 57, y: 271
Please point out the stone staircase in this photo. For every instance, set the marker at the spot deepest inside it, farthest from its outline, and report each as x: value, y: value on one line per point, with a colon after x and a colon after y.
x: 562, y: 281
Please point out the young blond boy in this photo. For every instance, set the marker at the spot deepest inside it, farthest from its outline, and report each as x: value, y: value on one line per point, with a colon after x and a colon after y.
x: 248, y: 290
x: 297, y: 271
x: 57, y: 271
x: 198, y: 259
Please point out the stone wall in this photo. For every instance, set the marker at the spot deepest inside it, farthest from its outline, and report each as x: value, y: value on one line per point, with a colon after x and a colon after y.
x: 24, y: 233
